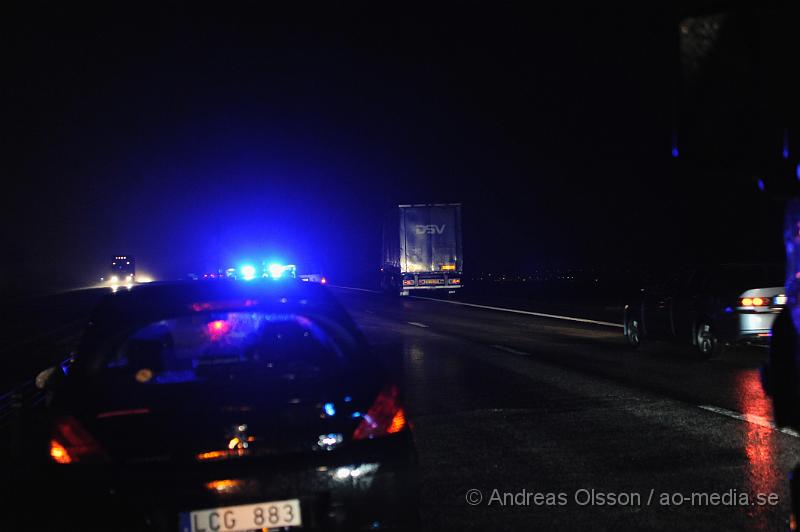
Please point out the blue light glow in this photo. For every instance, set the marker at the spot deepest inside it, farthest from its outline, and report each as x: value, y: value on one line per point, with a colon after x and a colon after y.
x: 355, y: 414
x: 248, y: 272
x: 276, y: 270
x: 797, y: 172
x: 761, y: 185
x: 785, y: 151
x: 176, y: 377
x: 329, y: 409
x: 675, y: 151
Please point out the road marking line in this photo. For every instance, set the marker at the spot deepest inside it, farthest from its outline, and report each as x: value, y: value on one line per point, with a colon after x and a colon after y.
x: 526, y: 312
x: 354, y: 288
x: 510, y: 350
x: 750, y: 418
x: 417, y: 324
x: 513, y: 310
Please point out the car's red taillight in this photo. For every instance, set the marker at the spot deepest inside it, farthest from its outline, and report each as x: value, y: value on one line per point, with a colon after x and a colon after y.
x: 754, y: 301
x: 385, y: 416
x: 72, y: 443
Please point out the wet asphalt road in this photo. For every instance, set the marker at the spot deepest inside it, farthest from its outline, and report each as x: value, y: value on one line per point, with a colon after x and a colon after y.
x: 538, y: 414
x: 556, y: 424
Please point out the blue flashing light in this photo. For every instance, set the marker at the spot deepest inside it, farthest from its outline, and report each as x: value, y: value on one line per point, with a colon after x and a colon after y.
x: 675, y: 152
x: 248, y: 272
x: 785, y: 152
x: 347, y: 398
x: 355, y: 415
x: 797, y: 171
x: 329, y: 409
x: 276, y: 270
x: 761, y: 185
x: 728, y: 310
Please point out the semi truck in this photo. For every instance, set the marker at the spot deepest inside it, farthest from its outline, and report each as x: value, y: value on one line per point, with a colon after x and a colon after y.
x: 422, y: 248
x: 122, y: 270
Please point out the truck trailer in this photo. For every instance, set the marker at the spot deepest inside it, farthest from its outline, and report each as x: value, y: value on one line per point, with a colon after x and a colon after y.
x: 422, y: 248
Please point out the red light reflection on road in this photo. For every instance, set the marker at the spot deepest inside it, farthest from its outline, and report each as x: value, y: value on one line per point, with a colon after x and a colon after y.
x: 760, y: 444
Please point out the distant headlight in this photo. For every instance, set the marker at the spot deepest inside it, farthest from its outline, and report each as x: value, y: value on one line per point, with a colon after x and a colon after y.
x: 114, y: 279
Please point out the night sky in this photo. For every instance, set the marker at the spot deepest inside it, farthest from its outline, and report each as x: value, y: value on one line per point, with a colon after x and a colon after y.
x: 194, y: 137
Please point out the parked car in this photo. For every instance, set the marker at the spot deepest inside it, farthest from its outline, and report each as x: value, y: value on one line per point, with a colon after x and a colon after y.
x: 710, y: 307
x: 223, y: 406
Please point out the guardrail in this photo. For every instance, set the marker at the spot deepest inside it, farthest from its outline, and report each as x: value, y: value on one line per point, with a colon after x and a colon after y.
x: 23, y: 398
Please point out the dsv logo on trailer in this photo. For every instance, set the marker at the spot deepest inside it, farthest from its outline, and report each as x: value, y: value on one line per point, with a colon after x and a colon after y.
x: 429, y: 229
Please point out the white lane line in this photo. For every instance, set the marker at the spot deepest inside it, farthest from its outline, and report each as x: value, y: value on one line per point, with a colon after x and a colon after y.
x: 750, y: 418
x: 526, y: 312
x: 513, y: 310
x: 354, y: 288
x: 417, y: 324
x: 510, y: 350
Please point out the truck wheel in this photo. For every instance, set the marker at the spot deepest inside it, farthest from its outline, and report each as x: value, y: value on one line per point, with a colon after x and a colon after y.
x: 633, y: 331
x: 708, y: 345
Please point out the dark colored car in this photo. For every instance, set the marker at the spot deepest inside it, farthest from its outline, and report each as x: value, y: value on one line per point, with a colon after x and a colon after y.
x: 710, y: 307
x: 201, y: 407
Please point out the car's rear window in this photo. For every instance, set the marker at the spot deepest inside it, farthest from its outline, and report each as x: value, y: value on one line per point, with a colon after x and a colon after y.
x: 203, y: 346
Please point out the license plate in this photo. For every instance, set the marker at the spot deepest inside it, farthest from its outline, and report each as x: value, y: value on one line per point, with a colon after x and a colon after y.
x: 264, y: 515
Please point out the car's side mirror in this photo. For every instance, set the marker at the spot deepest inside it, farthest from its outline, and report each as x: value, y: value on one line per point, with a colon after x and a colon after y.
x: 49, y: 378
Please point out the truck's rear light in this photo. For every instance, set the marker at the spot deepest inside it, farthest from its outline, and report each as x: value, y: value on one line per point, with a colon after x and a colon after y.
x: 454, y: 281
x: 385, y: 416
x: 408, y: 282
x: 754, y: 301
x: 73, y: 443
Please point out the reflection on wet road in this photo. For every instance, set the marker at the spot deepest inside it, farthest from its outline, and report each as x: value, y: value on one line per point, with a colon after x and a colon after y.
x: 760, y: 443
x: 522, y: 404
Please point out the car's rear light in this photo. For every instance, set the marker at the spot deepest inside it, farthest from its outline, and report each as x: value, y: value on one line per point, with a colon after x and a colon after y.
x: 385, y: 416
x: 408, y: 282
x: 72, y: 443
x: 59, y: 453
x: 454, y: 281
x: 754, y: 301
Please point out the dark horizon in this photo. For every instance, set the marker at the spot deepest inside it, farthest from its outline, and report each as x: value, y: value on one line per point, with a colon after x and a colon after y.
x: 190, y: 139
